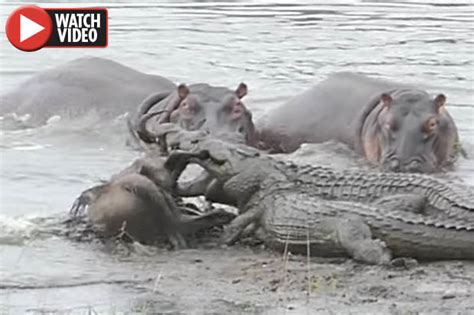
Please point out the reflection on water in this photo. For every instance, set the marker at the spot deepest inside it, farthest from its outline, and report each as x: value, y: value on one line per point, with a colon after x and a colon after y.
x: 277, y: 49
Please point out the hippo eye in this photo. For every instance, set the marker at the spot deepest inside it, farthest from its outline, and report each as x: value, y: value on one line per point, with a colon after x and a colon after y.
x: 241, y: 129
x: 389, y: 126
x: 430, y: 125
x: 191, y: 106
x: 229, y: 106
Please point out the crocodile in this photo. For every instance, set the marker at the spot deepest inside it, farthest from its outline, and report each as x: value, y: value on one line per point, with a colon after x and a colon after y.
x: 288, y: 217
x: 406, y: 219
x: 240, y: 170
x: 334, y: 211
x: 235, y: 164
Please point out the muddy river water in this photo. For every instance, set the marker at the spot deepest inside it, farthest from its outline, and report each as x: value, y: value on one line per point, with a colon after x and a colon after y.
x: 279, y: 48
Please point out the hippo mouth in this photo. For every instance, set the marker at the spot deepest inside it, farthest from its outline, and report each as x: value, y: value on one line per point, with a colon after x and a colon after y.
x: 179, y: 132
x: 171, y: 137
x: 143, y: 133
x: 225, y: 117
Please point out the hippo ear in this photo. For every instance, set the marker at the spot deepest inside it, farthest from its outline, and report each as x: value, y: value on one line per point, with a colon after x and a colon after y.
x: 386, y: 100
x: 439, y: 101
x: 183, y: 91
x: 241, y: 90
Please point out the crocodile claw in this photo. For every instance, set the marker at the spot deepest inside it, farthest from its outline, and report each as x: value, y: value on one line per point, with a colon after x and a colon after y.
x: 231, y: 235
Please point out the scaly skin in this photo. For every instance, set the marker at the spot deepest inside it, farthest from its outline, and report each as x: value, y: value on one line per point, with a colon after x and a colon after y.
x: 452, y: 198
x: 336, y: 212
x: 242, y: 170
x: 289, y: 217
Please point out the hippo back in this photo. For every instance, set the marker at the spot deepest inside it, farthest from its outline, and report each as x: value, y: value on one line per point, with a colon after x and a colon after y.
x: 330, y: 110
x: 82, y: 86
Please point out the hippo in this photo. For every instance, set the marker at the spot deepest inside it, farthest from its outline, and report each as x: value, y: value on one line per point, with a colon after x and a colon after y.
x: 218, y: 111
x: 83, y: 86
x: 107, y: 90
x: 140, y: 202
x: 400, y: 127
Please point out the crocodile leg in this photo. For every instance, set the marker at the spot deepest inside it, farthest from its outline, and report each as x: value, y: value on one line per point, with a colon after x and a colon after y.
x: 215, y: 217
x: 240, y: 223
x: 328, y: 227
x: 233, y: 189
x: 250, y: 230
x: 242, y: 186
x: 355, y: 236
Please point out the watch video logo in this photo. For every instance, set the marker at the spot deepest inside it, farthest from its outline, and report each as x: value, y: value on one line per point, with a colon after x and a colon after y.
x: 30, y: 28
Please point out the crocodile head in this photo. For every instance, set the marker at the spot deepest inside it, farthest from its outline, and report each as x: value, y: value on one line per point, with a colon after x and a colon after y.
x: 222, y: 160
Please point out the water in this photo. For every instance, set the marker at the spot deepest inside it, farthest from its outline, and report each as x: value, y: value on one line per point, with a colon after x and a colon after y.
x: 278, y: 48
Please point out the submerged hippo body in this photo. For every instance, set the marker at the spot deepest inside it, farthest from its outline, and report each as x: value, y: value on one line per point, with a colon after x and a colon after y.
x: 80, y: 87
x: 218, y: 111
x: 398, y: 126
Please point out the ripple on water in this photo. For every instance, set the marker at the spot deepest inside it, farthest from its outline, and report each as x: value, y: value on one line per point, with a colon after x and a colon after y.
x: 277, y: 49
x: 27, y: 147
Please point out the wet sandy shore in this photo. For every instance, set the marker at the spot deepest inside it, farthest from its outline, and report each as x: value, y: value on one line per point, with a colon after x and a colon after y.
x: 252, y: 280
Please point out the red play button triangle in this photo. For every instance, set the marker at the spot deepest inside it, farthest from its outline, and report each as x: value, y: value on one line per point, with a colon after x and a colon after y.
x: 29, y: 28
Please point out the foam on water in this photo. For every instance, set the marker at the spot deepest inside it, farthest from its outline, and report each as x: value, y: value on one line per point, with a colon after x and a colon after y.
x: 29, y: 147
x: 18, y: 230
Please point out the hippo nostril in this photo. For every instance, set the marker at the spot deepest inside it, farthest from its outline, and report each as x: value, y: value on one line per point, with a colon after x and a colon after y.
x: 413, y: 166
x: 394, y: 165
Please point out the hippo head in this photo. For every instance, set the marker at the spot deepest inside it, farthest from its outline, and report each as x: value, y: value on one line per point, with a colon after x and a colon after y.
x: 416, y: 134
x: 200, y: 107
x: 218, y: 111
